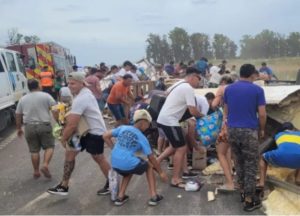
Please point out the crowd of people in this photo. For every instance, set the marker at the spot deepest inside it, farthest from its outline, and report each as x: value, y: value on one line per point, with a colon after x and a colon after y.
x: 242, y: 103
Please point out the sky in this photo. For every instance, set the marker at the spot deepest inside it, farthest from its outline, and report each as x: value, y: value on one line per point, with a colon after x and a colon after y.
x: 113, y: 31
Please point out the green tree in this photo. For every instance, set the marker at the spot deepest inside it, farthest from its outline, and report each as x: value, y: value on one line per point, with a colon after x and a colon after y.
x: 166, y: 51
x: 293, y: 42
x: 200, y: 46
x: 232, y: 48
x: 224, y: 47
x: 35, y: 39
x: 281, y: 46
x: 14, y: 37
x: 153, y: 48
x: 158, y: 50
x: 248, y: 47
x: 180, y: 44
x: 266, y: 44
x: 27, y: 39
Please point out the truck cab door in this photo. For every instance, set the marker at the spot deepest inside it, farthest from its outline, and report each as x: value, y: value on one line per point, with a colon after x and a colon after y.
x: 6, y: 95
x: 17, y: 78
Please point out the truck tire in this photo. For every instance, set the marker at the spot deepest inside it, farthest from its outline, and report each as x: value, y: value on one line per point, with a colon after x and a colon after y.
x: 5, y: 119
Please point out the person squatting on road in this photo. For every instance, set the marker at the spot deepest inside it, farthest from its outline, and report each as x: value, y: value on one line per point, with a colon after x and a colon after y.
x: 34, y: 109
x: 84, y: 106
x: 130, y: 140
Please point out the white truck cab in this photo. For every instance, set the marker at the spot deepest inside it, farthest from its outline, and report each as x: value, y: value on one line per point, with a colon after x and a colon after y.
x: 13, y: 84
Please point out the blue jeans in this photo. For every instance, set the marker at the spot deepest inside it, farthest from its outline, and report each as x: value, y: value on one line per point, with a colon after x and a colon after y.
x: 117, y: 110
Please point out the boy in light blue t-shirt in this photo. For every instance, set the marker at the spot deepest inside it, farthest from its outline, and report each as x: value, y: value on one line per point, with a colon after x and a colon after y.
x: 130, y: 140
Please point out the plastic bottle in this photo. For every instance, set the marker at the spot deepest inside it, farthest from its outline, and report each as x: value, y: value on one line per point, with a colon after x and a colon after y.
x: 113, y: 179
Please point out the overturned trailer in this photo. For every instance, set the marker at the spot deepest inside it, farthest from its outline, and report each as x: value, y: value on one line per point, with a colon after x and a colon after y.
x: 283, y: 102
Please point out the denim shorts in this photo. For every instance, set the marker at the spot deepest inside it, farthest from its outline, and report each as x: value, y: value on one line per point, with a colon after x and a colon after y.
x: 117, y: 110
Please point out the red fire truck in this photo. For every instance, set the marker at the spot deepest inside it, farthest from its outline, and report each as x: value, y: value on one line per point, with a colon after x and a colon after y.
x: 50, y: 54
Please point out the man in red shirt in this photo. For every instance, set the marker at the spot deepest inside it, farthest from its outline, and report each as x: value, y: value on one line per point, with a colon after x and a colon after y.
x: 119, y: 96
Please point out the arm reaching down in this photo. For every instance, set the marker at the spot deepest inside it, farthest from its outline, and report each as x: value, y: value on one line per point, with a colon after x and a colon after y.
x: 107, y: 138
x: 262, y: 115
x: 19, y: 124
x: 71, y: 126
x: 195, y: 112
x: 157, y: 168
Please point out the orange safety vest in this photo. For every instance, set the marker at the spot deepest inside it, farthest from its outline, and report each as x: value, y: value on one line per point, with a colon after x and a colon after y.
x: 46, y: 79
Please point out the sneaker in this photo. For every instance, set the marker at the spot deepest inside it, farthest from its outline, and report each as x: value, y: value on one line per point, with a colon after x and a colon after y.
x: 251, y: 206
x: 105, y: 190
x: 119, y: 201
x: 59, y: 190
x: 170, y: 167
x: 189, y: 175
x: 155, y: 200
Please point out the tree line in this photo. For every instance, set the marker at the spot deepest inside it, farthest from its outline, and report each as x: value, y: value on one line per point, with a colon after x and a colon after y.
x: 14, y: 37
x: 178, y: 46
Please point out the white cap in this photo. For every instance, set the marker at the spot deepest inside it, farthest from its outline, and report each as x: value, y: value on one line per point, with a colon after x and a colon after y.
x: 78, y: 76
x: 141, y: 115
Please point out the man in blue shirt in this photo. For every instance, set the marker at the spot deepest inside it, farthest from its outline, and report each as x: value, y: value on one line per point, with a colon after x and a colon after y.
x: 266, y: 70
x: 202, y: 66
x: 243, y: 101
x: 130, y: 140
x: 169, y: 68
x: 286, y: 154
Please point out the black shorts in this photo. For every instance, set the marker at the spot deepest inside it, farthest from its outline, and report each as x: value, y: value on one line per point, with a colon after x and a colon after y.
x: 93, y: 144
x: 138, y: 170
x: 174, y: 135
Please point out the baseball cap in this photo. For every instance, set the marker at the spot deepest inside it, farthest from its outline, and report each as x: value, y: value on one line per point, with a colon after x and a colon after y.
x: 78, y: 76
x: 141, y: 114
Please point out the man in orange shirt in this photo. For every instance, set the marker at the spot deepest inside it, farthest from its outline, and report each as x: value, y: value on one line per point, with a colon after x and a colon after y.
x: 119, y: 97
x: 47, y: 81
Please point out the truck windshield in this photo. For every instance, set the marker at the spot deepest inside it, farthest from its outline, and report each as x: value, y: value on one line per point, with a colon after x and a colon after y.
x: 59, y: 63
x: 20, y: 63
x: 11, y: 62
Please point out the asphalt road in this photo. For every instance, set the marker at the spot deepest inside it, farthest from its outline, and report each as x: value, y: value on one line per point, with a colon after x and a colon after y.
x: 21, y: 194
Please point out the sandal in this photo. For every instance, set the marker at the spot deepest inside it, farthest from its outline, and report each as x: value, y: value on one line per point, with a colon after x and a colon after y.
x: 179, y: 185
x: 46, y: 172
x: 36, y: 175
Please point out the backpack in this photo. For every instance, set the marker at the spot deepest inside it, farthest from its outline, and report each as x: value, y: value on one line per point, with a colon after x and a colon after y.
x: 157, y: 102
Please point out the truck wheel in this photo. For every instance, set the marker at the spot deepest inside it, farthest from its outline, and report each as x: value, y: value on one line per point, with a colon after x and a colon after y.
x: 4, y: 116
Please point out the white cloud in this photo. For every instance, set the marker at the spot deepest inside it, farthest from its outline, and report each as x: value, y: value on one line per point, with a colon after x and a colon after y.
x: 116, y: 30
